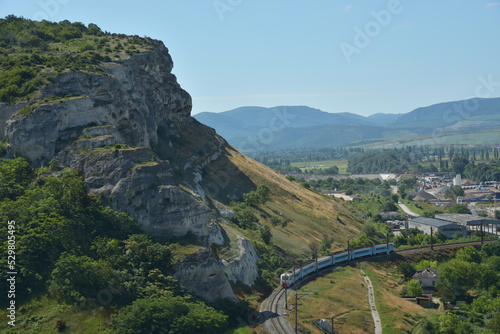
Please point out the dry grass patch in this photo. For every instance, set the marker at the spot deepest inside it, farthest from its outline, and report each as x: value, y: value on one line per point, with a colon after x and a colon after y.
x: 312, y: 215
x: 341, y: 295
x: 397, y: 314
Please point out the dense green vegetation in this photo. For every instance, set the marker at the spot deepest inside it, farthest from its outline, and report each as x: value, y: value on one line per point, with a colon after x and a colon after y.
x: 31, y: 52
x: 271, y: 264
x: 414, y: 159
x: 381, y: 162
x: 73, y: 248
x: 484, y: 171
x: 470, y: 281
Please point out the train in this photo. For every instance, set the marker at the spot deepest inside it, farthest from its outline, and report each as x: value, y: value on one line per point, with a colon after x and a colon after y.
x: 288, y: 278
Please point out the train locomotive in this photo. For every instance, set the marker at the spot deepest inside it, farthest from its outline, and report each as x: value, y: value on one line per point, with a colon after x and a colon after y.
x: 287, y: 278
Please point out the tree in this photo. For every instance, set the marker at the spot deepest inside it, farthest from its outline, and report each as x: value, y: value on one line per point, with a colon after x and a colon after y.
x: 494, y: 324
x: 77, y: 278
x: 15, y: 175
x: 414, y: 288
x: 491, y: 249
x: 314, y: 247
x: 388, y: 206
x: 362, y: 241
x: 263, y: 193
x: 428, y: 327
x: 450, y: 323
x: 459, y: 164
x: 453, y: 192
x: 167, y: 314
x: 266, y: 234
x: 275, y: 221
x: 426, y: 264
x: 407, y: 269
x: 459, y: 208
x: 468, y: 254
x: 369, y: 229
x: 459, y: 276
x: 441, y: 236
x: 251, y: 199
x: 244, y: 215
x: 326, y: 244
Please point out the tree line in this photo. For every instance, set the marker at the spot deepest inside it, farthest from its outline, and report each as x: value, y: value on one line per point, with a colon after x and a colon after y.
x: 72, y: 247
x: 414, y: 159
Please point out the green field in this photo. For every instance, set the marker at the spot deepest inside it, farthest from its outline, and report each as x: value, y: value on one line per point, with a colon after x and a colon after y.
x: 487, y: 137
x: 304, y: 166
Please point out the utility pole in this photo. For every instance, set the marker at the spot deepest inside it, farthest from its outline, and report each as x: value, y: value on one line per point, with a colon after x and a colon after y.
x: 481, y: 232
x: 348, y: 254
x: 296, y: 304
x: 387, y: 241
x: 432, y: 246
x: 296, y: 309
x: 286, y: 297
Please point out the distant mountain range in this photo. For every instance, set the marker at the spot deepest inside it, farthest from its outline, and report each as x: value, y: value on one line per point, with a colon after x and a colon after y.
x: 252, y: 129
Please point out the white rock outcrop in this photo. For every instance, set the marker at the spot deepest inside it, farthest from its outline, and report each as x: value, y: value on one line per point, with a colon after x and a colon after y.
x: 126, y: 132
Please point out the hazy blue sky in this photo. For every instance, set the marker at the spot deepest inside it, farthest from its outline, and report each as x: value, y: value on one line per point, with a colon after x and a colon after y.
x: 360, y: 56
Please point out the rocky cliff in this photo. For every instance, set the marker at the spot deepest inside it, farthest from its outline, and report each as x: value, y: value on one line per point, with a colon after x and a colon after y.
x: 130, y: 132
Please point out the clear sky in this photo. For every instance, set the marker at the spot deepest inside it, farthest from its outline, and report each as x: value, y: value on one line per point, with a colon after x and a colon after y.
x: 365, y: 56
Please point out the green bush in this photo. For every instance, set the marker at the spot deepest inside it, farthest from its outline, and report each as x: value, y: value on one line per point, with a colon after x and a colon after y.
x: 167, y: 314
x: 86, y: 47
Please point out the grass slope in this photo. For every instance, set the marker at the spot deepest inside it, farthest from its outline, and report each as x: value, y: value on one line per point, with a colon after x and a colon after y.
x: 312, y: 215
x: 341, y: 295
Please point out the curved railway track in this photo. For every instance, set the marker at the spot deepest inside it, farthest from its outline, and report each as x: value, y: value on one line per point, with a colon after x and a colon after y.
x: 276, y: 320
x: 272, y: 306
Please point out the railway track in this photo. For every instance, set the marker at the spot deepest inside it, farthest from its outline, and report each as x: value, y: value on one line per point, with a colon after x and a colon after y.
x: 276, y: 320
x: 273, y: 309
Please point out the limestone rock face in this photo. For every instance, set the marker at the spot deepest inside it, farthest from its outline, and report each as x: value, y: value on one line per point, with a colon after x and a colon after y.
x: 131, y: 134
x: 133, y: 101
x: 243, y: 269
x: 200, y: 272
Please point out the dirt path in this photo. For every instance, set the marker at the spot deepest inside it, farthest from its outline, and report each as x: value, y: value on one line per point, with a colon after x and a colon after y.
x: 407, y: 210
x: 371, y: 301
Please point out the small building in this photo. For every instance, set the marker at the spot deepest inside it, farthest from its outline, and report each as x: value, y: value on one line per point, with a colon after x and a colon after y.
x: 426, y: 224
x: 427, y: 278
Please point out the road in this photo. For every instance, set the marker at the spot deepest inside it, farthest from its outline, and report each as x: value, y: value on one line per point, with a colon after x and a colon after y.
x: 407, y: 210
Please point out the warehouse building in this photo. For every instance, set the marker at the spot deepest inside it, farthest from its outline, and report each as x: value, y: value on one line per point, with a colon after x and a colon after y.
x: 426, y: 224
x: 471, y: 223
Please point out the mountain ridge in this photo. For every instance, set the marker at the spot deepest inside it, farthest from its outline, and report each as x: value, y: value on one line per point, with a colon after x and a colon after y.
x: 314, y: 128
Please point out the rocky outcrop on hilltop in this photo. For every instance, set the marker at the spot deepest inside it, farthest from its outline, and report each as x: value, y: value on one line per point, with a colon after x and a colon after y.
x: 130, y: 133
